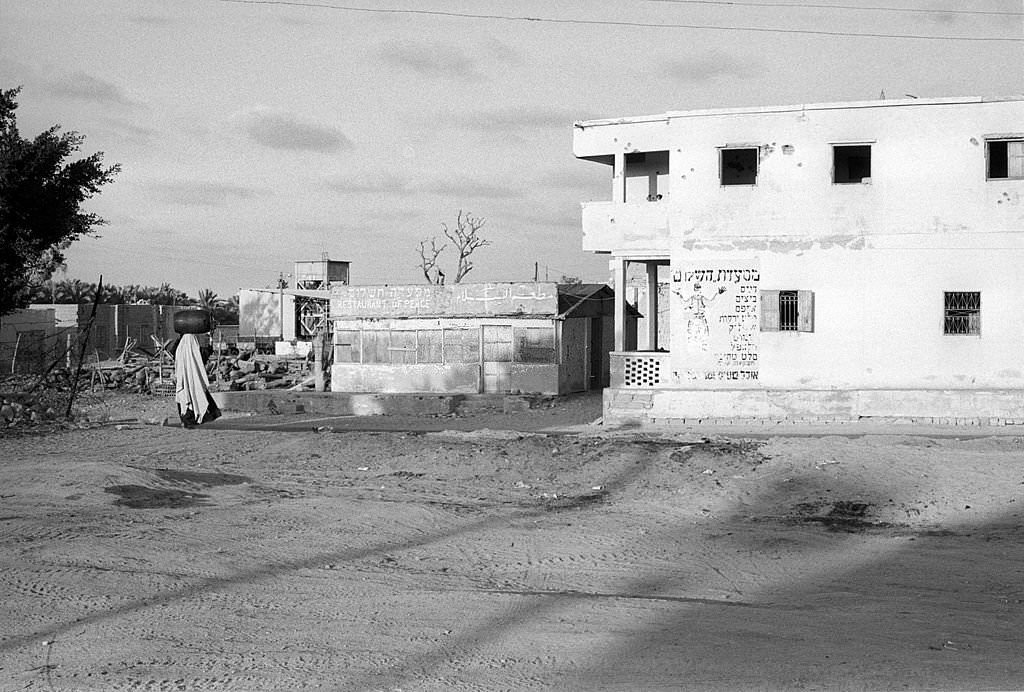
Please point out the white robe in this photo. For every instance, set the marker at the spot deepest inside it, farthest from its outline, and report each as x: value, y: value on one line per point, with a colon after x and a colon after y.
x: 190, y: 376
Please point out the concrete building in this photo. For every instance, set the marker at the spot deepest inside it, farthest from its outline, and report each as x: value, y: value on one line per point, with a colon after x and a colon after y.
x: 286, y: 319
x: 826, y: 261
x: 471, y: 338
x: 114, y: 326
x: 28, y: 341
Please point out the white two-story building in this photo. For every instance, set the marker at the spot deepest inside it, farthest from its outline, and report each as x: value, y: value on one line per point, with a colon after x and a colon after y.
x: 827, y: 261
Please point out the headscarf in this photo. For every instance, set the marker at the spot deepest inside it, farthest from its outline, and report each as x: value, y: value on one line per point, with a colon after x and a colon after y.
x: 190, y: 376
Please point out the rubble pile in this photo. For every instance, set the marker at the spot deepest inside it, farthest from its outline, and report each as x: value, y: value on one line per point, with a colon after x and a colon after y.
x: 28, y: 402
x: 227, y: 372
x: 14, y: 412
x: 249, y: 371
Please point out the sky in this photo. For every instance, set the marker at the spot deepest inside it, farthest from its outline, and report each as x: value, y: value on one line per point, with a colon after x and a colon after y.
x: 252, y: 134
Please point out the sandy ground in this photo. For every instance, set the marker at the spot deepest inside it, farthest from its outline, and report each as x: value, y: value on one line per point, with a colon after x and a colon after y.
x: 140, y: 557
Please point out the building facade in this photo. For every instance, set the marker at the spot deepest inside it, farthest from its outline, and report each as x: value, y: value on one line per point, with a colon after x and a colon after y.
x: 828, y: 261
x: 471, y: 338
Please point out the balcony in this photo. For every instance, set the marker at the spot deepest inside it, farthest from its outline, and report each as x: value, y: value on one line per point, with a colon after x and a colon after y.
x: 626, y: 226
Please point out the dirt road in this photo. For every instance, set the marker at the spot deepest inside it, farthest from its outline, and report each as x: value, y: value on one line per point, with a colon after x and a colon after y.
x: 155, y: 558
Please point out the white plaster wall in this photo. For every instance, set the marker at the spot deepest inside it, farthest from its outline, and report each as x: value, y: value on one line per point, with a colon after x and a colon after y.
x: 878, y: 316
x: 928, y: 170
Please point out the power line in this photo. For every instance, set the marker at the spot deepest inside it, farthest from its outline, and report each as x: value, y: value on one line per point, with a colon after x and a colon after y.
x: 600, y: 22
x: 800, y: 5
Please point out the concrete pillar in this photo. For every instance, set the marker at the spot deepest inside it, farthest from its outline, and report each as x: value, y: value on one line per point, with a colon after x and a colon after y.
x: 651, y: 309
x: 619, y: 179
x: 619, y: 271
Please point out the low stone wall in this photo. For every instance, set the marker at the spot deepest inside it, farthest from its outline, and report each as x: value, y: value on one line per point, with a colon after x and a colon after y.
x: 358, y: 404
x: 746, y: 406
x: 337, y: 404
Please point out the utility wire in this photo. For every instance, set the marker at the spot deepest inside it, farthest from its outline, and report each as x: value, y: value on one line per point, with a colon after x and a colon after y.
x: 802, y: 5
x: 599, y: 22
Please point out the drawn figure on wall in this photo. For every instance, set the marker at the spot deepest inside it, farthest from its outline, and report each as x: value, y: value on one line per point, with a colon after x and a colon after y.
x: 697, y: 331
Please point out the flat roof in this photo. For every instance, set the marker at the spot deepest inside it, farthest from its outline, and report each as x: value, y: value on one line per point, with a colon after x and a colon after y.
x: 841, y: 105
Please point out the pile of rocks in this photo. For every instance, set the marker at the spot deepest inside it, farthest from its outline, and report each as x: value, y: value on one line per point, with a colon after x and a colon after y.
x: 18, y: 411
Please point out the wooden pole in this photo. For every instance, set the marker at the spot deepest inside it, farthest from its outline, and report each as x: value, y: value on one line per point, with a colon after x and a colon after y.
x: 318, y: 361
x: 81, y: 351
x: 14, y: 358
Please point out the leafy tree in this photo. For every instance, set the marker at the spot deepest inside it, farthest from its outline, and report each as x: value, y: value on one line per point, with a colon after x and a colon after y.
x: 226, y: 311
x: 41, y: 195
x: 466, y: 239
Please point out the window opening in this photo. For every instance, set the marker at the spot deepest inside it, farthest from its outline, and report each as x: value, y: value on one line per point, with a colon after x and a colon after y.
x: 962, y: 313
x: 534, y: 345
x: 738, y: 166
x: 428, y: 346
x: 788, y: 310
x: 1005, y: 159
x: 346, y: 346
x: 851, y: 163
x: 461, y: 346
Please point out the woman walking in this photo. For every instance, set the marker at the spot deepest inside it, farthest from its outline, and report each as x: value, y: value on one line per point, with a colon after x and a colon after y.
x: 195, y: 404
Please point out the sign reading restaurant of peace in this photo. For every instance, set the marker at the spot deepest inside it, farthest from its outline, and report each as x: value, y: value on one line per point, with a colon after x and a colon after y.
x: 717, y: 308
x: 456, y: 300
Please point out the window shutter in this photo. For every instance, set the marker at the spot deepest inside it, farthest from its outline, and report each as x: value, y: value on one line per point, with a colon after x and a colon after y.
x: 769, y: 311
x: 1015, y: 159
x: 805, y: 311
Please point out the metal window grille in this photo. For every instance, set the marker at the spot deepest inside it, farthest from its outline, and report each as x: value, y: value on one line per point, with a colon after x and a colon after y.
x: 962, y: 313
x: 788, y: 311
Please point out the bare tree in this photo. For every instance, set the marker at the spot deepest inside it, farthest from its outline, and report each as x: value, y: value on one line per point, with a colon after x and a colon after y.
x: 428, y: 261
x: 465, y: 236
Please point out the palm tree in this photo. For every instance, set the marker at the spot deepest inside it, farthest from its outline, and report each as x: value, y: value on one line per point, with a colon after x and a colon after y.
x: 208, y: 299
x: 75, y: 291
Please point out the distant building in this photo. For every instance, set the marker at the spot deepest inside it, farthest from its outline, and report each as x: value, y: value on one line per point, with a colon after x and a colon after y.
x: 115, y: 326
x: 823, y: 261
x: 469, y: 338
x: 292, y: 314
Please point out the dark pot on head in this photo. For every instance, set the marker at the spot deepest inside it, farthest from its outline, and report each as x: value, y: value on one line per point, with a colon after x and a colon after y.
x: 192, y: 321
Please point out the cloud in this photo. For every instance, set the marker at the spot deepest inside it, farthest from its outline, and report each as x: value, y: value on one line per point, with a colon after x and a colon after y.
x: 127, y: 131
x: 431, y: 60
x: 582, y: 177
x: 372, y: 183
x: 520, y: 119
x: 203, y: 194
x: 291, y: 133
x: 151, y: 20
x: 83, y: 87
x: 711, y: 65
x: 470, y: 188
x: 385, y: 183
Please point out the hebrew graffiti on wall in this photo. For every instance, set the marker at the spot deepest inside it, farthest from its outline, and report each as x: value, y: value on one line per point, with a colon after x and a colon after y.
x: 716, y: 323
x: 456, y: 300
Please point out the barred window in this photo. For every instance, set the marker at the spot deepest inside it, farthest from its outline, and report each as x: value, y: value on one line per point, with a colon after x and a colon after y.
x: 962, y: 313
x: 787, y: 311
